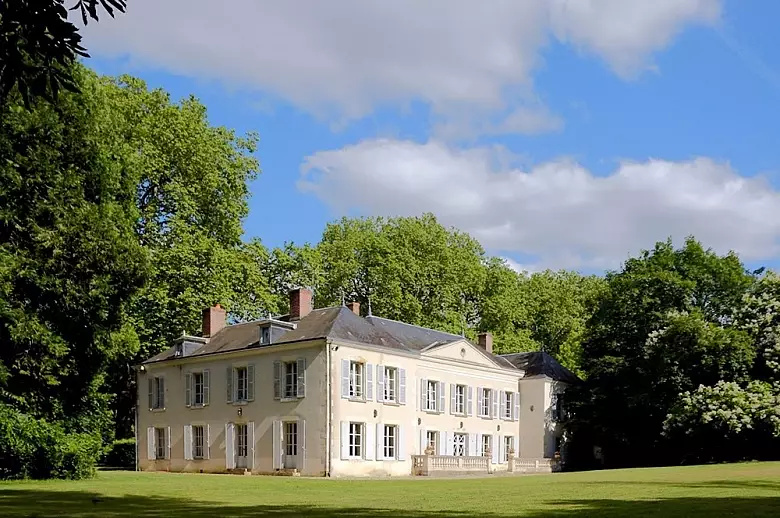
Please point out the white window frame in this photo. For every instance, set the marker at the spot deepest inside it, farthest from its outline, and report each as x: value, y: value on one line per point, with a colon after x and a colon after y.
x: 389, y: 441
x: 431, y: 396
x: 202, y: 429
x: 160, y: 443
x: 241, y: 386
x: 291, y: 438
x: 487, y: 440
x: 432, y: 440
x: 461, y: 445
x: 357, y: 380
x: 198, y: 396
x: 509, y: 444
x: 460, y: 399
x: 290, y: 379
x: 390, y: 385
x: 356, y: 440
x: 486, y: 402
x: 508, y: 405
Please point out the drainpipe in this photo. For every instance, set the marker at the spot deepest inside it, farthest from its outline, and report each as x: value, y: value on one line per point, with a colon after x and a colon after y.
x: 328, y: 408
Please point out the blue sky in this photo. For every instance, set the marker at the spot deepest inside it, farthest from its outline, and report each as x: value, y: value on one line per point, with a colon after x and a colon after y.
x: 560, y: 133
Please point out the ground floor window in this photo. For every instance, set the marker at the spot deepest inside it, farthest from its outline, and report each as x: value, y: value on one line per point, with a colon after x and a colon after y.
x: 459, y: 444
x: 356, y: 440
x: 431, y: 440
x: 160, y: 437
x: 485, y: 446
x: 390, y: 441
x: 198, y: 442
x: 509, y: 445
x: 291, y: 438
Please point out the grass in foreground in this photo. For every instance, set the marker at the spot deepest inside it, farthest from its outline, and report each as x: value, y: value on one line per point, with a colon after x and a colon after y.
x: 751, y: 489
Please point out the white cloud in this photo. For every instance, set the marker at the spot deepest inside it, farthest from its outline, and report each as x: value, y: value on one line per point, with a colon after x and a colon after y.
x: 557, y: 211
x: 343, y: 58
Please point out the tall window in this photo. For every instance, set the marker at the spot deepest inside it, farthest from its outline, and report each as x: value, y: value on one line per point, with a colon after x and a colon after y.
x: 356, y: 440
x: 460, y: 399
x: 459, y: 444
x: 391, y: 384
x: 198, y: 442
x: 197, y: 389
x: 290, y: 379
x: 485, y: 444
x: 431, y: 440
x: 291, y: 438
x: 390, y: 441
x: 431, y: 399
x: 484, y: 403
x: 356, y: 379
x: 158, y: 392
x: 509, y: 445
x: 160, y: 440
x: 242, y: 434
x: 507, y: 405
x: 242, y: 384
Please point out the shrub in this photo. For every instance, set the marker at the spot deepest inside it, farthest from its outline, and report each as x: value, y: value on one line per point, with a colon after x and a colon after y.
x: 121, y: 454
x: 34, y: 448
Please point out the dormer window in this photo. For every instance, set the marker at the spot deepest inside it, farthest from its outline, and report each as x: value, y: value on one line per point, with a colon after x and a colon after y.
x: 265, y: 335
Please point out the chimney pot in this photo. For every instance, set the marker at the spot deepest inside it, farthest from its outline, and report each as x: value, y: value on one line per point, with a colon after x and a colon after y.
x: 213, y: 320
x: 300, y: 303
x: 485, y: 340
x: 354, y: 307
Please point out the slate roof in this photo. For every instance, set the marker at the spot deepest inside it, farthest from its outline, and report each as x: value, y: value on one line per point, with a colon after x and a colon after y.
x: 540, y: 363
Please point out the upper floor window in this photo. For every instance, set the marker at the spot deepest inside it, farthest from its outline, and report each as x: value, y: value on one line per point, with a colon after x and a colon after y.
x: 507, y: 405
x: 196, y: 389
x: 265, y: 335
x: 431, y: 399
x: 391, y: 385
x: 356, y: 379
x: 241, y: 384
x: 157, y: 392
x: 459, y: 399
x: 290, y: 379
x: 485, y: 399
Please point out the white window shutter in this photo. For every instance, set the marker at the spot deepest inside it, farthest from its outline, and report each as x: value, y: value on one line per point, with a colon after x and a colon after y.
x: 302, y: 445
x: 441, y: 448
x: 229, y: 384
x: 480, y: 396
x: 423, y: 394
x: 207, y: 441
x: 472, y: 451
x: 230, y: 445
x: 250, y: 432
x: 206, y: 386
x: 448, y: 443
x: 370, y: 382
x: 502, y: 406
x: 250, y: 382
x: 301, y: 377
x: 440, y: 392
x: 494, y: 446
x: 345, y: 379
x: 151, y: 451
x: 188, y: 389
x: 453, y: 398
x: 277, y: 379
x: 168, y: 443
x: 277, y: 446
x: 151, y: 392
x: 401, y: 386
x: 380, y: 383
x: 187, y: 442
x: 400, y: 443
x: 369, y: 448
x: 516, y: 405
x: 380, y: 441
x: 501, y: 449
x: 494, y: 395
x: 478, y: 441
x: 469, y: 401
x: 423, y: 440
x: 344, y: 438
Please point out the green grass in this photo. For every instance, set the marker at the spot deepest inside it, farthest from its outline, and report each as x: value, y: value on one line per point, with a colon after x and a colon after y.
x: 751, y: 489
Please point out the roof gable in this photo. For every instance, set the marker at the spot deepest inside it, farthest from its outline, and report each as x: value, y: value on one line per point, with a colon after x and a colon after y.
x: 463, y: 350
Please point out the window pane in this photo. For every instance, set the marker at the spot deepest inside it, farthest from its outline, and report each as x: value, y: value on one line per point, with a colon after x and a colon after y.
x: 290, y: 379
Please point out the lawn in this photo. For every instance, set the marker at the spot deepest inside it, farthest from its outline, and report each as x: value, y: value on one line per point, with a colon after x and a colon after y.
x: 751, y: 489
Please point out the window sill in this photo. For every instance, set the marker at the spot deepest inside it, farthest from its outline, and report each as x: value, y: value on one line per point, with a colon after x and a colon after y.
x: 197, y: 407
x: 433, y: 412
x: 290, y: 399
x: 390, y: 403
x: 356, y: 399
x: 157, y: 409
x: 241, y: 402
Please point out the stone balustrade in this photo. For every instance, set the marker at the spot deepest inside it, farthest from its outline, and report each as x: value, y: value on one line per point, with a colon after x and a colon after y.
x: 423, y: 465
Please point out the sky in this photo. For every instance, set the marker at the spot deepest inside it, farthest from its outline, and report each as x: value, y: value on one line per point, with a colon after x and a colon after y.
x: 559, y: 133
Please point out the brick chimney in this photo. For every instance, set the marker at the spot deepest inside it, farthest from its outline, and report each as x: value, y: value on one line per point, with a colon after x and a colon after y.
x: 213, y: 320
x: 354, y: 307
x: 300, y: 303
x: 485, y: 340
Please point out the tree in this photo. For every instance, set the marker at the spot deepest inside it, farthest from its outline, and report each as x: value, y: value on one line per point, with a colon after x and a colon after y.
x: 665, y: 325
x: 38, y: 45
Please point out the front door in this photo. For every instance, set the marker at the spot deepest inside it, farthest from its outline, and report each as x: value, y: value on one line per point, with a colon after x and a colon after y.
x: 241, y: 446
x: 290, y: 446
x: 459, y: 444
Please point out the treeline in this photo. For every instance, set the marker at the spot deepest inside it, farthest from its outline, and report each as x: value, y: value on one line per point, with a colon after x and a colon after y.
x: 121, y: 218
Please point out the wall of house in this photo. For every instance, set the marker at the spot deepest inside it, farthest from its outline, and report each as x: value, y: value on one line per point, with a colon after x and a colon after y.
x: 450, y: 366
x: 538, y: 429
x: 309, y: 411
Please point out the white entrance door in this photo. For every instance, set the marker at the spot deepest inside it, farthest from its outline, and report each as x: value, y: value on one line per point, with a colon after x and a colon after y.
x: 290, y: 446
x: 241, y: 446
x: 459, y: 444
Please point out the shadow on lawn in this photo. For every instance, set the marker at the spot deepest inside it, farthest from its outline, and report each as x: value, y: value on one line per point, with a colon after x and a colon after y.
x: 18, y: 503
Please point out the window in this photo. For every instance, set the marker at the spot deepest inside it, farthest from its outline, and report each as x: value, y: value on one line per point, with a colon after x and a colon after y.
x: 509, y: 446
x: 390, y: 439
x: 356, y: 440
x: 485, y: 445
x: 241, y: 438
x: 160, y: 443
x: 431, y: 398
x: 508, y: 405
x: 459, y: 444
x: 265, y: 335
x: 431, y: 439
x: 460, y: 399
x: 391, y: 384
x: 157, y: 392
x: 291, y: 438
x: 356, y: 370
x: 198, y: 442
x: 290, y: 379
x: 242, y: 384
x: 197, y: 389
x: 484, y: 403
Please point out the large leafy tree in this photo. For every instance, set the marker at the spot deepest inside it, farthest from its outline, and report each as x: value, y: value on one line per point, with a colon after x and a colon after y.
x: 665, y: 325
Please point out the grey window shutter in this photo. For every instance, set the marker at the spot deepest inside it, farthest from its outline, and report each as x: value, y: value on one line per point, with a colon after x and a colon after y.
x: 301, y: 377
x: 380, y: 441
x: 453, y: 398
x: 344, y: 438
x: 370, y: 382
x: 380, y: 383
x: 230, y: 455
x: 168, y: 443
x: 207, y: 442
x: 469, y: 400
x: 188, y: 389
x: 502, y: 405
x: 400, y: 443
x: 151, y: 451
x: 401, y: 386
x: 440, y: 393
x: 369, y: 448
x: 162, y: 392
x: 516, y: 402
x: 251, y: 446
x: 151, y: 392
x: 423, y: 394
x: 229, y: 384
x: 206, y: 386
x: 345, y: 378
x: 277, y: 379
x: 187, y: 442
x: 494, y: 395
x: 250, y: 382
x: 480, y: 398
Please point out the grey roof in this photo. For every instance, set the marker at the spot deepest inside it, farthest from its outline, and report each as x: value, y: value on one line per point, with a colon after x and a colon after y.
x: 540, y: 363
x: 415, y: 338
